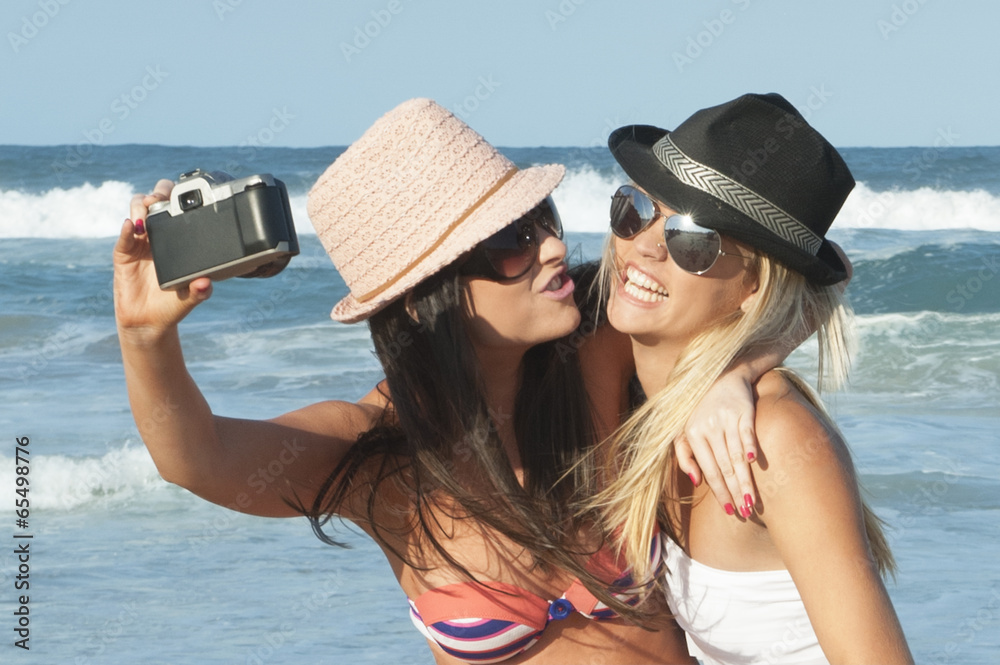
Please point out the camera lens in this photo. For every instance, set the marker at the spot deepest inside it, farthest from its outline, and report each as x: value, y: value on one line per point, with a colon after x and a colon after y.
x: 190, y: 199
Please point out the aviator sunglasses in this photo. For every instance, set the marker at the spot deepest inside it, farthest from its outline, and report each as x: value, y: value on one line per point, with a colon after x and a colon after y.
x: 693, y: 248
x: 510, y: 252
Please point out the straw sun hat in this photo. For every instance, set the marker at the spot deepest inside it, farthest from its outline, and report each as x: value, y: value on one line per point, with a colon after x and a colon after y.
x: 416, y: 191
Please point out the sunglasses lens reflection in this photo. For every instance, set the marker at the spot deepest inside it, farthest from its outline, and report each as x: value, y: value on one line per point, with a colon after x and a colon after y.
x: 631, y: 212
x: 510, y: 252
x: 692, y: 247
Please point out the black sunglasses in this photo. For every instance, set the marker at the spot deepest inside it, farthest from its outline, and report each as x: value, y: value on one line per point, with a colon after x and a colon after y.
x: 693, y: 248
x: 510, y: 252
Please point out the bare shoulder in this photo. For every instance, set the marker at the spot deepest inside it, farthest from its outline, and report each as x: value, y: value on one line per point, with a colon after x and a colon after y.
x: 800, y: 447
x: 814, y: 516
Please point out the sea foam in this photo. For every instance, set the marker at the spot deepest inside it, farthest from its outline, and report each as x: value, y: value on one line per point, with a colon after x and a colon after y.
x: 583, y: 198
x: 86, y: 211
x: 59, y: 482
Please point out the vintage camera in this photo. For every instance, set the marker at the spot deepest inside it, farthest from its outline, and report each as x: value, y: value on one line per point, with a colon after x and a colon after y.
x: 220, y: 227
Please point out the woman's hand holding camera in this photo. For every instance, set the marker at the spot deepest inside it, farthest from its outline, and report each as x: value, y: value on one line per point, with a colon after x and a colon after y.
x: 143, y: 311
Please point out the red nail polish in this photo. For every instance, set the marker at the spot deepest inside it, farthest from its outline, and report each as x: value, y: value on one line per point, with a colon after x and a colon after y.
x: 744, y: 511
x: 751, y: 457
x: 729, y: 509
x: 694, y: 481
x: 748, y: 500
x: 140, y: 228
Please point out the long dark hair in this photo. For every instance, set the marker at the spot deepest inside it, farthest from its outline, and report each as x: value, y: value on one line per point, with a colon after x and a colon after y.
x: 438, y: 418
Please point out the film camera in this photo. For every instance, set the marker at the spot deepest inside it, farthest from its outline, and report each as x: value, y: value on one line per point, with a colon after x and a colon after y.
x: 221, y: 227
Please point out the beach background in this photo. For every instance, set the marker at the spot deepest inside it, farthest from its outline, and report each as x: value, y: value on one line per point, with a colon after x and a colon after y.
x: 101, y: 100
x: 126, y: 568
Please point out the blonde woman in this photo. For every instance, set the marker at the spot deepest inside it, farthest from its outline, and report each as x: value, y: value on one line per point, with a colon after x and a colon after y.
x: 719, y: 248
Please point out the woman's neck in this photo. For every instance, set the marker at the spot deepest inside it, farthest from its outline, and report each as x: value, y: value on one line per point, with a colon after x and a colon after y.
x: 654, y: 361
x: 501, y: 370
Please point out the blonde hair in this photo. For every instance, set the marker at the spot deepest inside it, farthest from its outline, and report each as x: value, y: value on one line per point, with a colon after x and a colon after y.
x: 639, y: 457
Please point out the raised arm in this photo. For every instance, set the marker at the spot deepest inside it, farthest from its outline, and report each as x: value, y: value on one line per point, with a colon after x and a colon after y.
x: 247, y: 465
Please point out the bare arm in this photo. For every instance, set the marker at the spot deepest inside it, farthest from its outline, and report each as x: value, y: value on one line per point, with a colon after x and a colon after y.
x: 246, y: 465
x: 720, y: 440
x: 608, y: 366
x: 813, y: 513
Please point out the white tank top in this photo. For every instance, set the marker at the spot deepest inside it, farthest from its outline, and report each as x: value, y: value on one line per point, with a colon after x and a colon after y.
x: 738, y: 618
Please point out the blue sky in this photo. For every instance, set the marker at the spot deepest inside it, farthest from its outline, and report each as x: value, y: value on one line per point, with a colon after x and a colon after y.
x: 522, y: 72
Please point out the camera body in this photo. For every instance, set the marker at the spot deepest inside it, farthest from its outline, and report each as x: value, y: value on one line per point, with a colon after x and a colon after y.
x: 220, y: 227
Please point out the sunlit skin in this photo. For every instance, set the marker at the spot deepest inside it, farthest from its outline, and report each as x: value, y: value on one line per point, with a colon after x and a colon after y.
x: 520, y: 313
x: 662, y: 307
x: 807, y: 515
x: 507, y: 318
x: 213, y: 456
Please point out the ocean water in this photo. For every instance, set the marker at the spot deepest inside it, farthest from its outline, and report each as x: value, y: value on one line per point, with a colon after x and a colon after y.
x: 125, y: 568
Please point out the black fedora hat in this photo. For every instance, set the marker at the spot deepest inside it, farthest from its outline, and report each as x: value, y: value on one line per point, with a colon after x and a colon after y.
x: 752, y: 169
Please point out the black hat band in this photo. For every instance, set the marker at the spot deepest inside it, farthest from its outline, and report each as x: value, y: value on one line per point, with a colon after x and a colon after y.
x: 748, y: 202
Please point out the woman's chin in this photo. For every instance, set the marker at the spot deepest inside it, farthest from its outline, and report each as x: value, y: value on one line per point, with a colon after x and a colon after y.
x: 629, y: 319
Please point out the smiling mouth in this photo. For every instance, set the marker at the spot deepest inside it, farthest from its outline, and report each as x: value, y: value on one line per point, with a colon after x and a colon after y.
x: 641, y: 287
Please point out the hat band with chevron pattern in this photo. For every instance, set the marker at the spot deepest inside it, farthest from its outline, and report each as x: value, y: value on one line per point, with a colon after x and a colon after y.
x: 727, y: 190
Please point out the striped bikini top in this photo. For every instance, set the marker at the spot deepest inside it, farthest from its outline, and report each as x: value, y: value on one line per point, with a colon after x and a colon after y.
x: 490, y: 622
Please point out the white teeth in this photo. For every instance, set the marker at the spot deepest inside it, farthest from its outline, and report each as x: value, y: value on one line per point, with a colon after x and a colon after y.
x: 642, y: 287
x: 555, y: 284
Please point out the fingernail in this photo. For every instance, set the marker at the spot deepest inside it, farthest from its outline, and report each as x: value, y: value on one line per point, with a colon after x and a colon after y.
x: 751, y: 457
x: 744, y: 511
x: 694, y: 481
x: 748, y: 500
x: 729, y: 509
x: 140, y: 228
